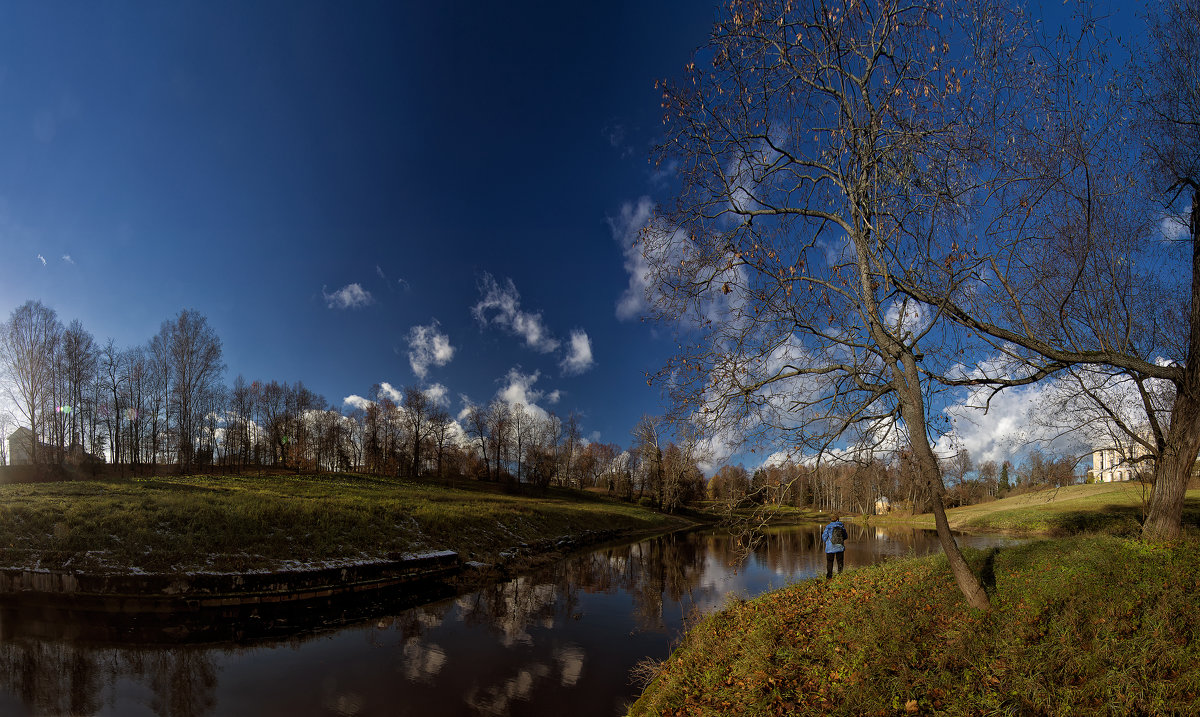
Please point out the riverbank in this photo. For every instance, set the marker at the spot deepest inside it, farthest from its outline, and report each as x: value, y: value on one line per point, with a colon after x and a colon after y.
x: 255, y: 524
x: 1082, y: 624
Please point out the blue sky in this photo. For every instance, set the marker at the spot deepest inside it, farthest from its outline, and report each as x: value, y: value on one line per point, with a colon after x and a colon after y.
x: 318, y: 179
x: 338, y: 186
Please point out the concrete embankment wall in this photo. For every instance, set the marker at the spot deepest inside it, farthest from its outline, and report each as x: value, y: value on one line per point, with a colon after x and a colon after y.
x: 142, y: 592
x: 149, y: 592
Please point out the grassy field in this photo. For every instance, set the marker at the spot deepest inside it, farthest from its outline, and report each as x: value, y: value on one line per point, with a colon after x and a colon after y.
x: 234, y: 523
x: 1112, y: 508
x: 1082, y: 625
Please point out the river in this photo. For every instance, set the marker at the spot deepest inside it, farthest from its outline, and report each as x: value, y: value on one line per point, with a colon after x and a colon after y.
x: 562, y: 640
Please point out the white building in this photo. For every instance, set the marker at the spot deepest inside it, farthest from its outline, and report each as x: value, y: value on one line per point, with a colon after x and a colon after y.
x: 1119, y: 463
x: 20, y: 445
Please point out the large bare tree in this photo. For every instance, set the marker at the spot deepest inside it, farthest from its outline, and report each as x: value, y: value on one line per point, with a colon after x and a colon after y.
x: 194, y: 351
x: 27, y: 345
x: 816, y: 143
x: 1071, y: 276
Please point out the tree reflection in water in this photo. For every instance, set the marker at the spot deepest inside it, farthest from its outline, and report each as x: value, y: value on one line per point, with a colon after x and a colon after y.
x: 561, y: 639
x: 64, y: 679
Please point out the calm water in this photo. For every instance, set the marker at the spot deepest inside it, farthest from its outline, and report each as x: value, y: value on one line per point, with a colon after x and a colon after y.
x: 562, y: 640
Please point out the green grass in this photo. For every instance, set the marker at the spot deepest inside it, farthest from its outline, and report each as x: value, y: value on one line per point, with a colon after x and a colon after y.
x: 243, y: 522
x: 1082, y: 625
x: 1112, y: 508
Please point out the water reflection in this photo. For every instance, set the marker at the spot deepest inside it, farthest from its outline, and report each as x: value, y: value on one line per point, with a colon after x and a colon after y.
x: 562, y: 639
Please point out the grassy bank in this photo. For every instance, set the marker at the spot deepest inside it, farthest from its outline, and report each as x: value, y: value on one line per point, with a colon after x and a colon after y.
x: 231, y: 523
x: 1079, y: 625
x: 1111, y: 508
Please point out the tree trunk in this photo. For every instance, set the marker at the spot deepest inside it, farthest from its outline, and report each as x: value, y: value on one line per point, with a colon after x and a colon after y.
x: 912, y: 409
x: 1173, y: 470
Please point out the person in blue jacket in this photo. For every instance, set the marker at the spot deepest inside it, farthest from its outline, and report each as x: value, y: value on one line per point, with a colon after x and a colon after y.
x: 834, y: 536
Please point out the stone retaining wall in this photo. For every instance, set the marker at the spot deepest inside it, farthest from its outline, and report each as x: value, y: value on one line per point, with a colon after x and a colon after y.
x: 151, y: 592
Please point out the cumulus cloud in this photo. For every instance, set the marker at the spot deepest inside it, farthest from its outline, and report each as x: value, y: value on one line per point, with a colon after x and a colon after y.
x: 438, y: 394
x: 501, y: 305
x: 351, y: 296
x: 579, y: 354
x: 518, y: 388
x: 41, y: 259
x: 626, y: 227
x: 387, y: 390
x: 428, y: 347
x: 356, y: 401
x: 1005, y: 425
x: 67, y: 258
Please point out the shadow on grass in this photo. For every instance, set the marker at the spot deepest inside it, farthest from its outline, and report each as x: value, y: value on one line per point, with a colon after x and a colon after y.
x: 987, y: 574
x: 1114, y: 520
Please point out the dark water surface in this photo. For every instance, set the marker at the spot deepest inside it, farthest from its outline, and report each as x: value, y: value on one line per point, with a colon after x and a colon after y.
x: 559, y: 641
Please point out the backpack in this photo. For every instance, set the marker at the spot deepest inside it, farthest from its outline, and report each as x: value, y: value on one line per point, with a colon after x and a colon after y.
x: 837, y: 536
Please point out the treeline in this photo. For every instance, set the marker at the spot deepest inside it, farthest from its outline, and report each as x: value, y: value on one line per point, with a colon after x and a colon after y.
x: 164, y: 403
x: 875, y: 486
x: 81, y: 400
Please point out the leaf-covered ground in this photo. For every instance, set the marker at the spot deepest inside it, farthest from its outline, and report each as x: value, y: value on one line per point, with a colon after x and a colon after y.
x: 1097, y: 625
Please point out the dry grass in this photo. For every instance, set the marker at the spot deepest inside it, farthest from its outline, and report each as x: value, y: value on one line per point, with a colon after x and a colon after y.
x: 1097, y: 625
x: 220, y: 523
x: 1115, y: 508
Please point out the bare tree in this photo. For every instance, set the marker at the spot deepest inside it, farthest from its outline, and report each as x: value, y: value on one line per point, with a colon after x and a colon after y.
x: 499, y: 427
x: 416, y: 418
x: 648, y: 447
x: 1071, y: 276
x: 6, y: 422
x: 196, y: 368
x: 524, y: 430
x: 114, y: 375
x: 477, y: 429
x: 817, y: 145
x: 440, y: 425
x: 572, y: 443
x: 27, y: 343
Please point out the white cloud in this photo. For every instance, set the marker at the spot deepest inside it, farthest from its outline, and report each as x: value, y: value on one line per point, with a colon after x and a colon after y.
x: 505, y: 301
x: 351, y: 296
x: 615, y: 134
x: 579, y: 354
x: 428, y: 347
x: 41, y: 259
x: 914, y: 320
x: 67, y: 258
x: 1173, y: 228
x: 467, y: 405
x: 387, y: 390
x: 663, y: 172
x: 356, y: 401
x: 626, y: 227
x: 1020, y: 418
x: 518, y: 389
x: 379, y: 271
x: 438, y: 394
x: 553, y: 396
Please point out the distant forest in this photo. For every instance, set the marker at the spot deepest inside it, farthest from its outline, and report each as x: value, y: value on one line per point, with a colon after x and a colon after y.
x: 164, y: 405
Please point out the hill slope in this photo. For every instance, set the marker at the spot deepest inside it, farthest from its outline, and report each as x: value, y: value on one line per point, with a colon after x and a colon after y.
x: 1116, y: 508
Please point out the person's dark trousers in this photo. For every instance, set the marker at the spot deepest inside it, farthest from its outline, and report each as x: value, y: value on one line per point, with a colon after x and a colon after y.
x: 829, y: 558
